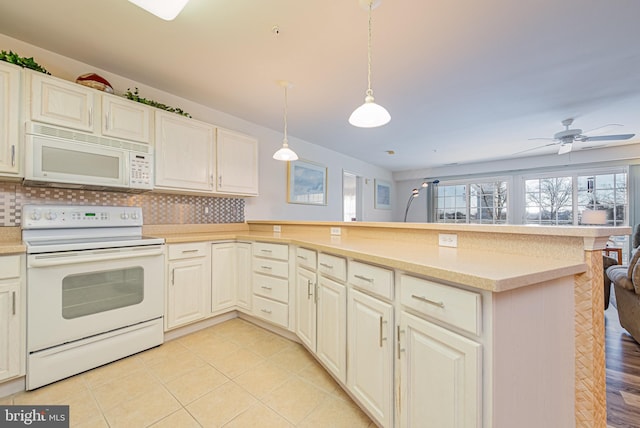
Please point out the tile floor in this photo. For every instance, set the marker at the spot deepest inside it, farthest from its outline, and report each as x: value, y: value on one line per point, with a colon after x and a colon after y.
x: 234, y: 374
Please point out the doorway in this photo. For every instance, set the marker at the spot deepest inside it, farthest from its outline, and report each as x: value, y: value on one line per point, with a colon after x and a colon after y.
x: 351, y: 196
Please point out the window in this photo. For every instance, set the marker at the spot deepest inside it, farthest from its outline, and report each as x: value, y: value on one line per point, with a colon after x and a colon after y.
x: 478, y: 202
x: 549, y: 201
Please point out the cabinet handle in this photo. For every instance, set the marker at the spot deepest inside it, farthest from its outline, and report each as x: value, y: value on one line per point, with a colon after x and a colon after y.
x: 302, y: 257
x: 220, y: 180
x: 173, y: 276
x: 13, y: 302
x: 364, y: 278
x: 90, y: 116
x: 308, y: 289
x: 266, y: 287
x: 431, y: 302
x: 399, y: 348
x: 107, y: 117
x: 266, y: 311
x: 265, y: 251
x: 266, y: 267
x: 382, y: 339
x: 189, y: 251
x: 326, y: 265
x: 13, y: 155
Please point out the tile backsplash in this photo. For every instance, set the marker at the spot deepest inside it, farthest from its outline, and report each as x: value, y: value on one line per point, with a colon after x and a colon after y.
x: 157, y: 208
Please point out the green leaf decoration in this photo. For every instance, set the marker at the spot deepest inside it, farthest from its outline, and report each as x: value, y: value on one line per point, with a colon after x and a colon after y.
x: 14, y: 58
x: 135, y: 96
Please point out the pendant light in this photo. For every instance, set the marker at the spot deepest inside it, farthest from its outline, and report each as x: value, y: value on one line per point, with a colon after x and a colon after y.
x: 369, y: 114
x: 285, y: 153
x: 165, y: 9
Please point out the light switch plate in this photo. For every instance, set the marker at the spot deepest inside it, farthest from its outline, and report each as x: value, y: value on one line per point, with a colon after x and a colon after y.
x: 447, y: 239
x: 335, y: 231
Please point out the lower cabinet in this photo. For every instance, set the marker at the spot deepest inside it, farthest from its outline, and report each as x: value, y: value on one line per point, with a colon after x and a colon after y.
x: 370, y: 344
x: 224, y: 276
x: 440, y: 376
x: 10, y: 327
x: 306, y: 295
x: 243, y: 285
x: 188, y: 283
x: 331, y: 317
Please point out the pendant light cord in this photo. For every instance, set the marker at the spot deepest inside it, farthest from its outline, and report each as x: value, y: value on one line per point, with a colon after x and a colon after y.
x: 285, y: 141
x: 369, y: 90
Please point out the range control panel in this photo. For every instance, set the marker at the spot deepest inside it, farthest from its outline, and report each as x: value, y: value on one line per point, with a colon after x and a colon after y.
x: 68, y: 216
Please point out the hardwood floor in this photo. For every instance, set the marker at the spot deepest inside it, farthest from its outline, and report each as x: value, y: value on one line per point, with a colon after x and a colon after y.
x: 623, y: 374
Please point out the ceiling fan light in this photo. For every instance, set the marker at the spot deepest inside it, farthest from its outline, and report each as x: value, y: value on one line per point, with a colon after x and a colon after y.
x: 565, y: 148
x: 285, y: 153
x: 165, y: 9
x: 369, y: 114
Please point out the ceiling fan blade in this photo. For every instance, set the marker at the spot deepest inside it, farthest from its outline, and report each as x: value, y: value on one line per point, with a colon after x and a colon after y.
x: 609, y: 137
x: 565, y: 148
x: 602, y: 129
x: 540, y: 138
x: 534, y: 148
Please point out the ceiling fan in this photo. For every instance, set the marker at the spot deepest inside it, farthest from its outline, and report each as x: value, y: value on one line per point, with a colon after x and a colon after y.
x: 567, y: 137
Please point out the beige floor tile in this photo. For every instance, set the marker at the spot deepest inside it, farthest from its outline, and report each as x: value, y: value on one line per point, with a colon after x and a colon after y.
x: 6, y: 401
x: 195, y: 340
x: 238, y: 363
x: 295, y: 399
x: 56, y: 393
x: 139, y: 382
x: 97, y: 421
x: 112, y: 371
x: 259, y: 416
x: 232, y: 327
x: 221, y: 405
x: 179, y: 419
x: 82, y: 408
x: 249, y: 335
x: 143, y: 410
x: 269, y: 345
x: 318, y: 376
x: 169, y: 349
x: 216, y: 351
x: 196, y: 383
x: 336, y: 413
x: 293, y: 359
x: 262, y: 379
x: 168, y: 369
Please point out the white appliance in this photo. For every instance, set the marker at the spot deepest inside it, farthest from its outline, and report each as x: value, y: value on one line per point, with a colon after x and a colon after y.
x: 95, y: 288
x: 57, y: 157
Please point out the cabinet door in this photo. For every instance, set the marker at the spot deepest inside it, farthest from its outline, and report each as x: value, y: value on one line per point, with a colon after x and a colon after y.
x: 10, y: 344
x: 243, y: 286
x: 184, y: 153
x: 9, y: 117
x: 440, y: 376
x: 331, y: 343
x: 306, y: 307
x: 224, y: 276
x: 236, y: 163
x: 187, y: 300
x: 126, y: 119
x: 62, y: 103
x: 370, y: 344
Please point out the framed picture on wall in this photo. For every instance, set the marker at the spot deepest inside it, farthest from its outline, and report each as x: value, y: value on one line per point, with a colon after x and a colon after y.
x: 306, y: 183
x: 382, y: 197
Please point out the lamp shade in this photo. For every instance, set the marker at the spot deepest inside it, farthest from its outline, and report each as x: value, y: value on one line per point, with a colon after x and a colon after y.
x: 594, y: 217
x: 165, y: 9
x: 369, y: 115
x: 285, y: 154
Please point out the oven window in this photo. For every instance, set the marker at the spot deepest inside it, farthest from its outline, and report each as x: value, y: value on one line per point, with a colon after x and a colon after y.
x: 91, y: 293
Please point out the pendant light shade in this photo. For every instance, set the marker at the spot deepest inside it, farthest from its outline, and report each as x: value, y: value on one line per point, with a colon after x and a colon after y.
x: 165, y: 9
x: 369, y: 114
x: 285, y: 153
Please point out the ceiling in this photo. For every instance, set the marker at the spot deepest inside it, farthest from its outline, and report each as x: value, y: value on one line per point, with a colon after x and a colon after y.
x: 464, y: 81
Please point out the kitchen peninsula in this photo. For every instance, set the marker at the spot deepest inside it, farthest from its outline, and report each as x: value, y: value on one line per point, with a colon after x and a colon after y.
x: 541, y: 326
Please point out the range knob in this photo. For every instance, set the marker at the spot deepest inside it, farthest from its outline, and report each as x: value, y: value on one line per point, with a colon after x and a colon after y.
x: 134, y: 216
x: 124, y: 216
x: 35, y: 215
x: 51, y: 215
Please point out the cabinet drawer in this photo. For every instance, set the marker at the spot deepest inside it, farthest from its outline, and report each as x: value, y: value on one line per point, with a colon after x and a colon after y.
x: 306, y: 258
x: 271, y: 267
x: 370, y: 278
x: 333, y: 266
x: 188, y: 251
x: 272, y: 251
x: 460, y: 308
x: 270, y: 310
x: 268, y: 286
x: 9, y: 267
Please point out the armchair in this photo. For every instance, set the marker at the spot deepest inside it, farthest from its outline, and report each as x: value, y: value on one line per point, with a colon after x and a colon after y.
x: 626, y: 284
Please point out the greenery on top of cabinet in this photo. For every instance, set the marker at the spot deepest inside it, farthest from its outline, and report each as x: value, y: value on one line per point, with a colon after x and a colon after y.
x: 14, y: 58
x: 134, y: 96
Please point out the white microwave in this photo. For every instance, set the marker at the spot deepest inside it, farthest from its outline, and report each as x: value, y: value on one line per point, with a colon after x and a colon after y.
x: 57, y: 157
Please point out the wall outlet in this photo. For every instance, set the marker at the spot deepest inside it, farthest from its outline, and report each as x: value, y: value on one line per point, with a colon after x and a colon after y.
x: 277, y: 229
x: 336, y: 231
x: 206, y: 210
x: 447, y: 239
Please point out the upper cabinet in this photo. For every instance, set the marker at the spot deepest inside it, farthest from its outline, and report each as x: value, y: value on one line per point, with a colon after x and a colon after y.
x: 126, y: 119
x: 184, y: 154
x: 62, y: 103
x: 9, y: 119
x: 237, y: 163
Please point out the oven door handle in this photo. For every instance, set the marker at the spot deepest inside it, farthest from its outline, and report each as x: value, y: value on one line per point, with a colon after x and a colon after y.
x: 46, y: 260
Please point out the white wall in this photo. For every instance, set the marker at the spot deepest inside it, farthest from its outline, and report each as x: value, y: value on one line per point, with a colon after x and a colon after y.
x: 271, y: 204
